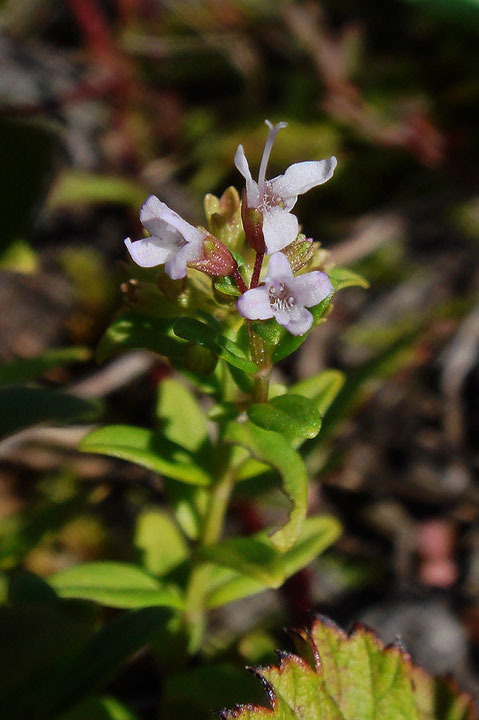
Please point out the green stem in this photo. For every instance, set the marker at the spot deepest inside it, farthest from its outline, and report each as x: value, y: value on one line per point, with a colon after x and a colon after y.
x: 213, y: 522
x: 260, y: 357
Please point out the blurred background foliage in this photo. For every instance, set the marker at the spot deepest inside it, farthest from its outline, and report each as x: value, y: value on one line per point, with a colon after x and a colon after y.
x: 104, y: 102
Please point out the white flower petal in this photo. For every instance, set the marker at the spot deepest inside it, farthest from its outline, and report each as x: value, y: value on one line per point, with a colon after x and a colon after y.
x: 311, y: 288
x: 298, y: 324
x: 176, y: 267
x: 189, y: 232
x: 151, y: 251
x: 254, y: 304
x: 280, y: 229
x: 252, y: 192
x: 278, y: 267
x: 301, y: 177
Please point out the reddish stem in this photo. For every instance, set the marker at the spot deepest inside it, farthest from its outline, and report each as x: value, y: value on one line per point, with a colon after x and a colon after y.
x: 257, y: 270
x: 239, y: 280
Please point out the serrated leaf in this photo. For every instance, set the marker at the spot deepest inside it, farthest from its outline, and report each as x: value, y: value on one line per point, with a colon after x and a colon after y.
x: 133, y: 331
x: 353, y: 676
x: 181, y: 418
x: 159, y: 541
x: 145, y: 448
x: 322, y: 388
x: 24, y: 406
x: 23, y: 369
x: 265, y: 568
x: 206, y: 336
x: 342, y: 278
x: 292, y: 415
x: 275, y: 450
x: 115, y: 584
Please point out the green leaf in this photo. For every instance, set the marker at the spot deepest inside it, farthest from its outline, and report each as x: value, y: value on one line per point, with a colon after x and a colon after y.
x: 75, y: 188
x: 269, y: 330
x: 292, y: 415
x: 99, y: 708
x: 206, y: 336
x: 342, y: 278
x: 115, y: 584
x: 353, y: 676
x: 145, y: 448
x: 29, y: 155
x: 159, y: 541
x: 227, y: 286
x: 82, y: 673
x: 23, y: 369
x: 182, y: 420
x: 322, y: 388
x: 273, y: 449
x: 23, y: 406
x: 34, y: 637
x: 289, y: 343
x: 266, y: 569
x: 133, y: 331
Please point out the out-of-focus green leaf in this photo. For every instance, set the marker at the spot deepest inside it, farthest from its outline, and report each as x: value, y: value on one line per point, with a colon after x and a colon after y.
x: 84, y: 672
x: 292, y: 415
x: 19, y: 257
x: 322, y: 388
x: 115, y: 584
x: 80, y: 188
x: 266, y: 569
x: 353, y: 676
x: 23, y: 406
x: 342, y: 278
x: 145, y: 448
x: 205, y: 335
x: 132, y: 331
x: 189, y: 505
x: 23, y: 369
x: 181, y: 418
x: 159, y: 541
x: 275, y: 450
x: 27, y: 529
x: 34, y: 637
x: 26, y: 587
x: 99, y: 708
x: 289, y: 343
x: 29, y: 154
x: 250, y: 556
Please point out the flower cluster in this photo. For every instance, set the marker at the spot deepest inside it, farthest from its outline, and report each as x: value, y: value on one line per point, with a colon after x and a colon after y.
x: 269, y: 226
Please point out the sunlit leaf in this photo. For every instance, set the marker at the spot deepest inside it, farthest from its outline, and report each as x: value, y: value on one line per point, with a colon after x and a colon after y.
x: 321, y: 388
x: 145, y: 448
x: 267, y: 569
x: 292, y: 415
x: 353, y: 676
x: 115, y: 584
x: 181, y: 418
x: 159, y: 541
x: 275, y: 450
x: 342, y: 278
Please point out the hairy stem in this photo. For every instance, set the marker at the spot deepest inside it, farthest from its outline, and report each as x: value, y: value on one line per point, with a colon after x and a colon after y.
x: 239, y: 280
x: 258, y: 263
x: 260, y: 357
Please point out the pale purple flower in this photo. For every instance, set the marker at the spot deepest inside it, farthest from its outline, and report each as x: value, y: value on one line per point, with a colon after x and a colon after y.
x: 276, y: 198
x: 173, y: 242
x: 286, y: 297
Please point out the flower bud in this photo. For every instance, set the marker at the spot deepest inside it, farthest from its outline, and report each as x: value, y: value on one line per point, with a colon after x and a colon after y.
x: 216, y: 259
x: 224, y: 217
x: 253, y: 225
x: 299, y: 253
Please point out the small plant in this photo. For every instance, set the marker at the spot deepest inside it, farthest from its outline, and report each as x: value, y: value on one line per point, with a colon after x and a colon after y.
x: 223, y: 303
